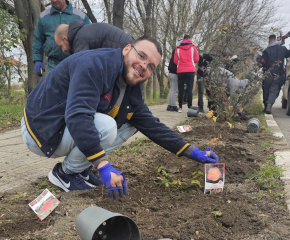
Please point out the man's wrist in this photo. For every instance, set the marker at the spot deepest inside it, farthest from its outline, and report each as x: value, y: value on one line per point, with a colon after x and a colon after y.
x: 102, y: 163
x: 187, y: 152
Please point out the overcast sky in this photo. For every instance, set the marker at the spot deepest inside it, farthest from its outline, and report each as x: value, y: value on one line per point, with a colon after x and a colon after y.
x: 284, y: 10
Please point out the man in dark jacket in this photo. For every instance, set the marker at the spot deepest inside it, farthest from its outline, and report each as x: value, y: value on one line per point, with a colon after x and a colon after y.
x: 77, y: 36
x: 61, y: 11
x: 204, y: 59
x: 89, y: 105
x: 273, y: 62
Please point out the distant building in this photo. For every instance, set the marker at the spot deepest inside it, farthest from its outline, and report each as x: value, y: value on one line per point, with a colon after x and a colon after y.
x: 18, y: 67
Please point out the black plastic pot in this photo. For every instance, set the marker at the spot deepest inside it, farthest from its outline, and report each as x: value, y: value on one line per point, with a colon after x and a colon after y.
x: 95, y: 223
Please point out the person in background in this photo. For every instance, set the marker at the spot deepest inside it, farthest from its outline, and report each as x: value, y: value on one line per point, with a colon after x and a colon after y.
x: 88, y: 106
x: 173, y: 78
x: 61, y: 11
x: 185, y: 57
x: 273, y: 61
x: 204, y: 59
x: 78, y: 36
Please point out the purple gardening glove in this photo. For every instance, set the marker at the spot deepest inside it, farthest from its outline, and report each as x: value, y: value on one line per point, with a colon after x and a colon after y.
x: 199, y: 156
x: 39, y: 67
x: 105, y: 173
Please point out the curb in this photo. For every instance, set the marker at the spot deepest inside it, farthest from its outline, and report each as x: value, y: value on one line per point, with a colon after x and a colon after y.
x: 281, y: 157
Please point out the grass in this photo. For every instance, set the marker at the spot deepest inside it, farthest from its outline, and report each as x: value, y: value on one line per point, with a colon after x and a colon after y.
x: 265, y: 145
x: 11, y: 111
x: 267, y: 179
x: 156, y: 101
x: 256, y: 109
x: 132, y: 148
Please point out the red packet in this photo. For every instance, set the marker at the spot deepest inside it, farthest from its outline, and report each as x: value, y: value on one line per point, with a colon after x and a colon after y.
x: 44, y: 204
x: 184, y: 128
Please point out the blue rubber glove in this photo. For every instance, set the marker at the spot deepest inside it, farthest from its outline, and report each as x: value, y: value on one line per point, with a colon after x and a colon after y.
x: 105, y: 173
x: 199, y: 156
x: 38, y: 68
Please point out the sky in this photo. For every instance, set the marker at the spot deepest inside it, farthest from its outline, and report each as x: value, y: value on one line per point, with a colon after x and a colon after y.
x: 284, y: 11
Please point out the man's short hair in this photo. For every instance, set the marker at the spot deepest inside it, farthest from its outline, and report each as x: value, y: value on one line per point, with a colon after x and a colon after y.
x: 61, y: 30
x: 150, y: 39
x: 272, y: 37
x: 186, y: 36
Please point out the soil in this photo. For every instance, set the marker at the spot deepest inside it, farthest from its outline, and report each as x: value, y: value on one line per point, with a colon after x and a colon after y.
x: 179, y: 212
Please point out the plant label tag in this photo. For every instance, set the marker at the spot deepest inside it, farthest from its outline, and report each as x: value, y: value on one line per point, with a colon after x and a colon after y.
x: 214, y: 178
x: 184, y: 128
x: 44, y: 204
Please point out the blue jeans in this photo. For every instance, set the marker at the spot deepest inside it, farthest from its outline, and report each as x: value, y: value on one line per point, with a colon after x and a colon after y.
x: 75, y: 161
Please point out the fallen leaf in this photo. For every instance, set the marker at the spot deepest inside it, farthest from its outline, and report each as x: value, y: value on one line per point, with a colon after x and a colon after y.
x: 230, y: 125
x: 212, y: 141
x: 209, y: 114
x: 217, y: 213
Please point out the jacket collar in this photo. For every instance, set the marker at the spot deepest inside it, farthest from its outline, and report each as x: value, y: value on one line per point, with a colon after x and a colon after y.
x: 68, y: 9
x: 274, y: 43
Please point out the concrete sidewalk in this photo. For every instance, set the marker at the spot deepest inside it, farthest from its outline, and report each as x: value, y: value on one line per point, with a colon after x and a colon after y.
x: 19, y: 166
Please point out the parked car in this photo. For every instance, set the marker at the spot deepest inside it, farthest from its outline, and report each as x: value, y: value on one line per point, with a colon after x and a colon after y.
x: 286, y: 91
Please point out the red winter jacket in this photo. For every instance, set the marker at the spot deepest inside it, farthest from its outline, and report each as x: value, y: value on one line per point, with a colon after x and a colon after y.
x: 185, y: 56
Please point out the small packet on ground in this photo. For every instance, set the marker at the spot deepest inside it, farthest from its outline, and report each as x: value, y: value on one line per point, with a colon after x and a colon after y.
x: 184, y: 128
x: 44, y: 204
x: 214, y: 178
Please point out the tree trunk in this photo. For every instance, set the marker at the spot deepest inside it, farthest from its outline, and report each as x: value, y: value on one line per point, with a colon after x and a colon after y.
x: 108, y: 11
x: 28, y: 12
x: 162, y: 95
x: 154, y: 86
x: 160, y: 80
x: 89, y: 11
x: 148, y: 88
x: 118, y: 13
x: 148, y: 18
x: 154, y: 34
x: 9, y: 84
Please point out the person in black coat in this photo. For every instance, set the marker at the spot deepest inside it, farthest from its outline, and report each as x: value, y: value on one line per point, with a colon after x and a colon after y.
x: 272, y: 61
x: 204, y: 59
x: 77, y: 36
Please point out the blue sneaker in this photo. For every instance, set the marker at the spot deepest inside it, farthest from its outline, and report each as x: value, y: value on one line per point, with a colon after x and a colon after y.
x: 68, y: 182
x: 90, y: 178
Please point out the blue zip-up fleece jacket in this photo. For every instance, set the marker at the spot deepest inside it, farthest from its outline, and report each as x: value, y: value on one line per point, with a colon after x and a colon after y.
x: 48, y: 21
x: 77, y: 88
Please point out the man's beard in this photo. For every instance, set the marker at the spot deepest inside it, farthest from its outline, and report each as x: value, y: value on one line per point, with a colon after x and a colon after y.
x: 125, y: 73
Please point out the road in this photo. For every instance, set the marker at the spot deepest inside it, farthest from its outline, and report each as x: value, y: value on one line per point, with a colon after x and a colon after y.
x: 281, y: 118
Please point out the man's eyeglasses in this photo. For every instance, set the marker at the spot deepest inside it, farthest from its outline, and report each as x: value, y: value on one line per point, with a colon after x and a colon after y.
x: 143, y: 58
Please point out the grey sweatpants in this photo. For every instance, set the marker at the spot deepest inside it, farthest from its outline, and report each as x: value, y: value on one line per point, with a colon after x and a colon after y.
x: 173, y: 78
x: 271, y: 88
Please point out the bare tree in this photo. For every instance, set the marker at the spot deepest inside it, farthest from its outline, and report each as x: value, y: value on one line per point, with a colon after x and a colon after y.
x: 108, y: 10
x: 89, y: 11
x: 118, y: 13
x: 28, y: 12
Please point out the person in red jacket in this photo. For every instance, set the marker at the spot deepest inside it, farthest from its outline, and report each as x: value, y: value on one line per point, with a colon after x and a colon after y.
x: 185, y: 57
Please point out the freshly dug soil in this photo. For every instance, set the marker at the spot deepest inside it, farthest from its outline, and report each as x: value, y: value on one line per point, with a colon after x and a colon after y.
x: 179, y: 212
